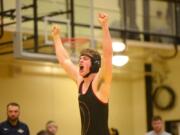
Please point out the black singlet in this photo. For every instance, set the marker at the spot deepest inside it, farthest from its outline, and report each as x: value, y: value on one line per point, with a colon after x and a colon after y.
x: 94, y: 113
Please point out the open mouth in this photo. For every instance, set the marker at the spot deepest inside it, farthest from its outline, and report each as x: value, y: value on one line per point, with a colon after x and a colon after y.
x: 81, y: 68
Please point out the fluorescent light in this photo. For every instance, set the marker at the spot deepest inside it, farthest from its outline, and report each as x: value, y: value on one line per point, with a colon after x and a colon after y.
x: 118, y: 46
x: 120, y: 60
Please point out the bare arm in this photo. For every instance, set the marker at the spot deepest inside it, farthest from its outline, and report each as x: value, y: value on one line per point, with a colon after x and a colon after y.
x: 63, y: 56
x: 105, y: 73
x: 103, y: 79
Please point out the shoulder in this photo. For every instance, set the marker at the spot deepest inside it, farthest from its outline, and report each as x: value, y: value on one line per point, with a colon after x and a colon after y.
x: 23, y: 127
x: 79, y: 80
x: 22, y: 124
x: 166, y: 133
x: 4, y: 127
x: 4, y: 123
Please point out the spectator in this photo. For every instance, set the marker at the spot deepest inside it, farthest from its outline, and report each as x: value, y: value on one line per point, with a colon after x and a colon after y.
x: 157, y: 125
x: 50, y: 129
x: 13, y: 126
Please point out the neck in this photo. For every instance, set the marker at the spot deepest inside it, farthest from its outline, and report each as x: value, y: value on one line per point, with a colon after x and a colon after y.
x: 160, y: 131
x: 90, y: 77
x: 13, y: 122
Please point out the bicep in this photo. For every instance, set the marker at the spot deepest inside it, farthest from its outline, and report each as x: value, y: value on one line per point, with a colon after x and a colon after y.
x: 102, y: 87
x: 100, y: 81
x: 105, y: 72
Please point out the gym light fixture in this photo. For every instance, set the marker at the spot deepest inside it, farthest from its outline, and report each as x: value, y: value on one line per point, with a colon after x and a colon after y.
x: 118, y: 46
x: 120, y: 60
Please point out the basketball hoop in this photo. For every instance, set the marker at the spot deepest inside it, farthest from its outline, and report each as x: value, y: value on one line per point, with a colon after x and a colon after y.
x: 79, y: 40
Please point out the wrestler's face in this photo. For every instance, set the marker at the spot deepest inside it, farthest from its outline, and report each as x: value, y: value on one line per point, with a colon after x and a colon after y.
x: 157, y: 126
x: 13, y: 113
x: 84, y: 65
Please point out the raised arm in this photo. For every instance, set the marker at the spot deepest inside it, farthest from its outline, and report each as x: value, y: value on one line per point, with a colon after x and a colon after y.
x: 62, y: 55
x: 105, y: 73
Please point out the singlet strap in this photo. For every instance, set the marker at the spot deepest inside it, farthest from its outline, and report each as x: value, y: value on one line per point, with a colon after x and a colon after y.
x: 81, y: 84
x: 80, y: 87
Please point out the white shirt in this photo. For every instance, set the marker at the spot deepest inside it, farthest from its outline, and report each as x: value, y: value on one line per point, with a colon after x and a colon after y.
x: 154, y: 133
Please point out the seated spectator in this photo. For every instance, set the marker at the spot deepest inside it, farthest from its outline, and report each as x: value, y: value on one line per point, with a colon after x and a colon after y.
x: 50, y: 129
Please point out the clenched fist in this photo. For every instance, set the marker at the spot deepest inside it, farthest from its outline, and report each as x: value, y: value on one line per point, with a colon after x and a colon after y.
x: 55, y: 31
x: 103, y: 18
